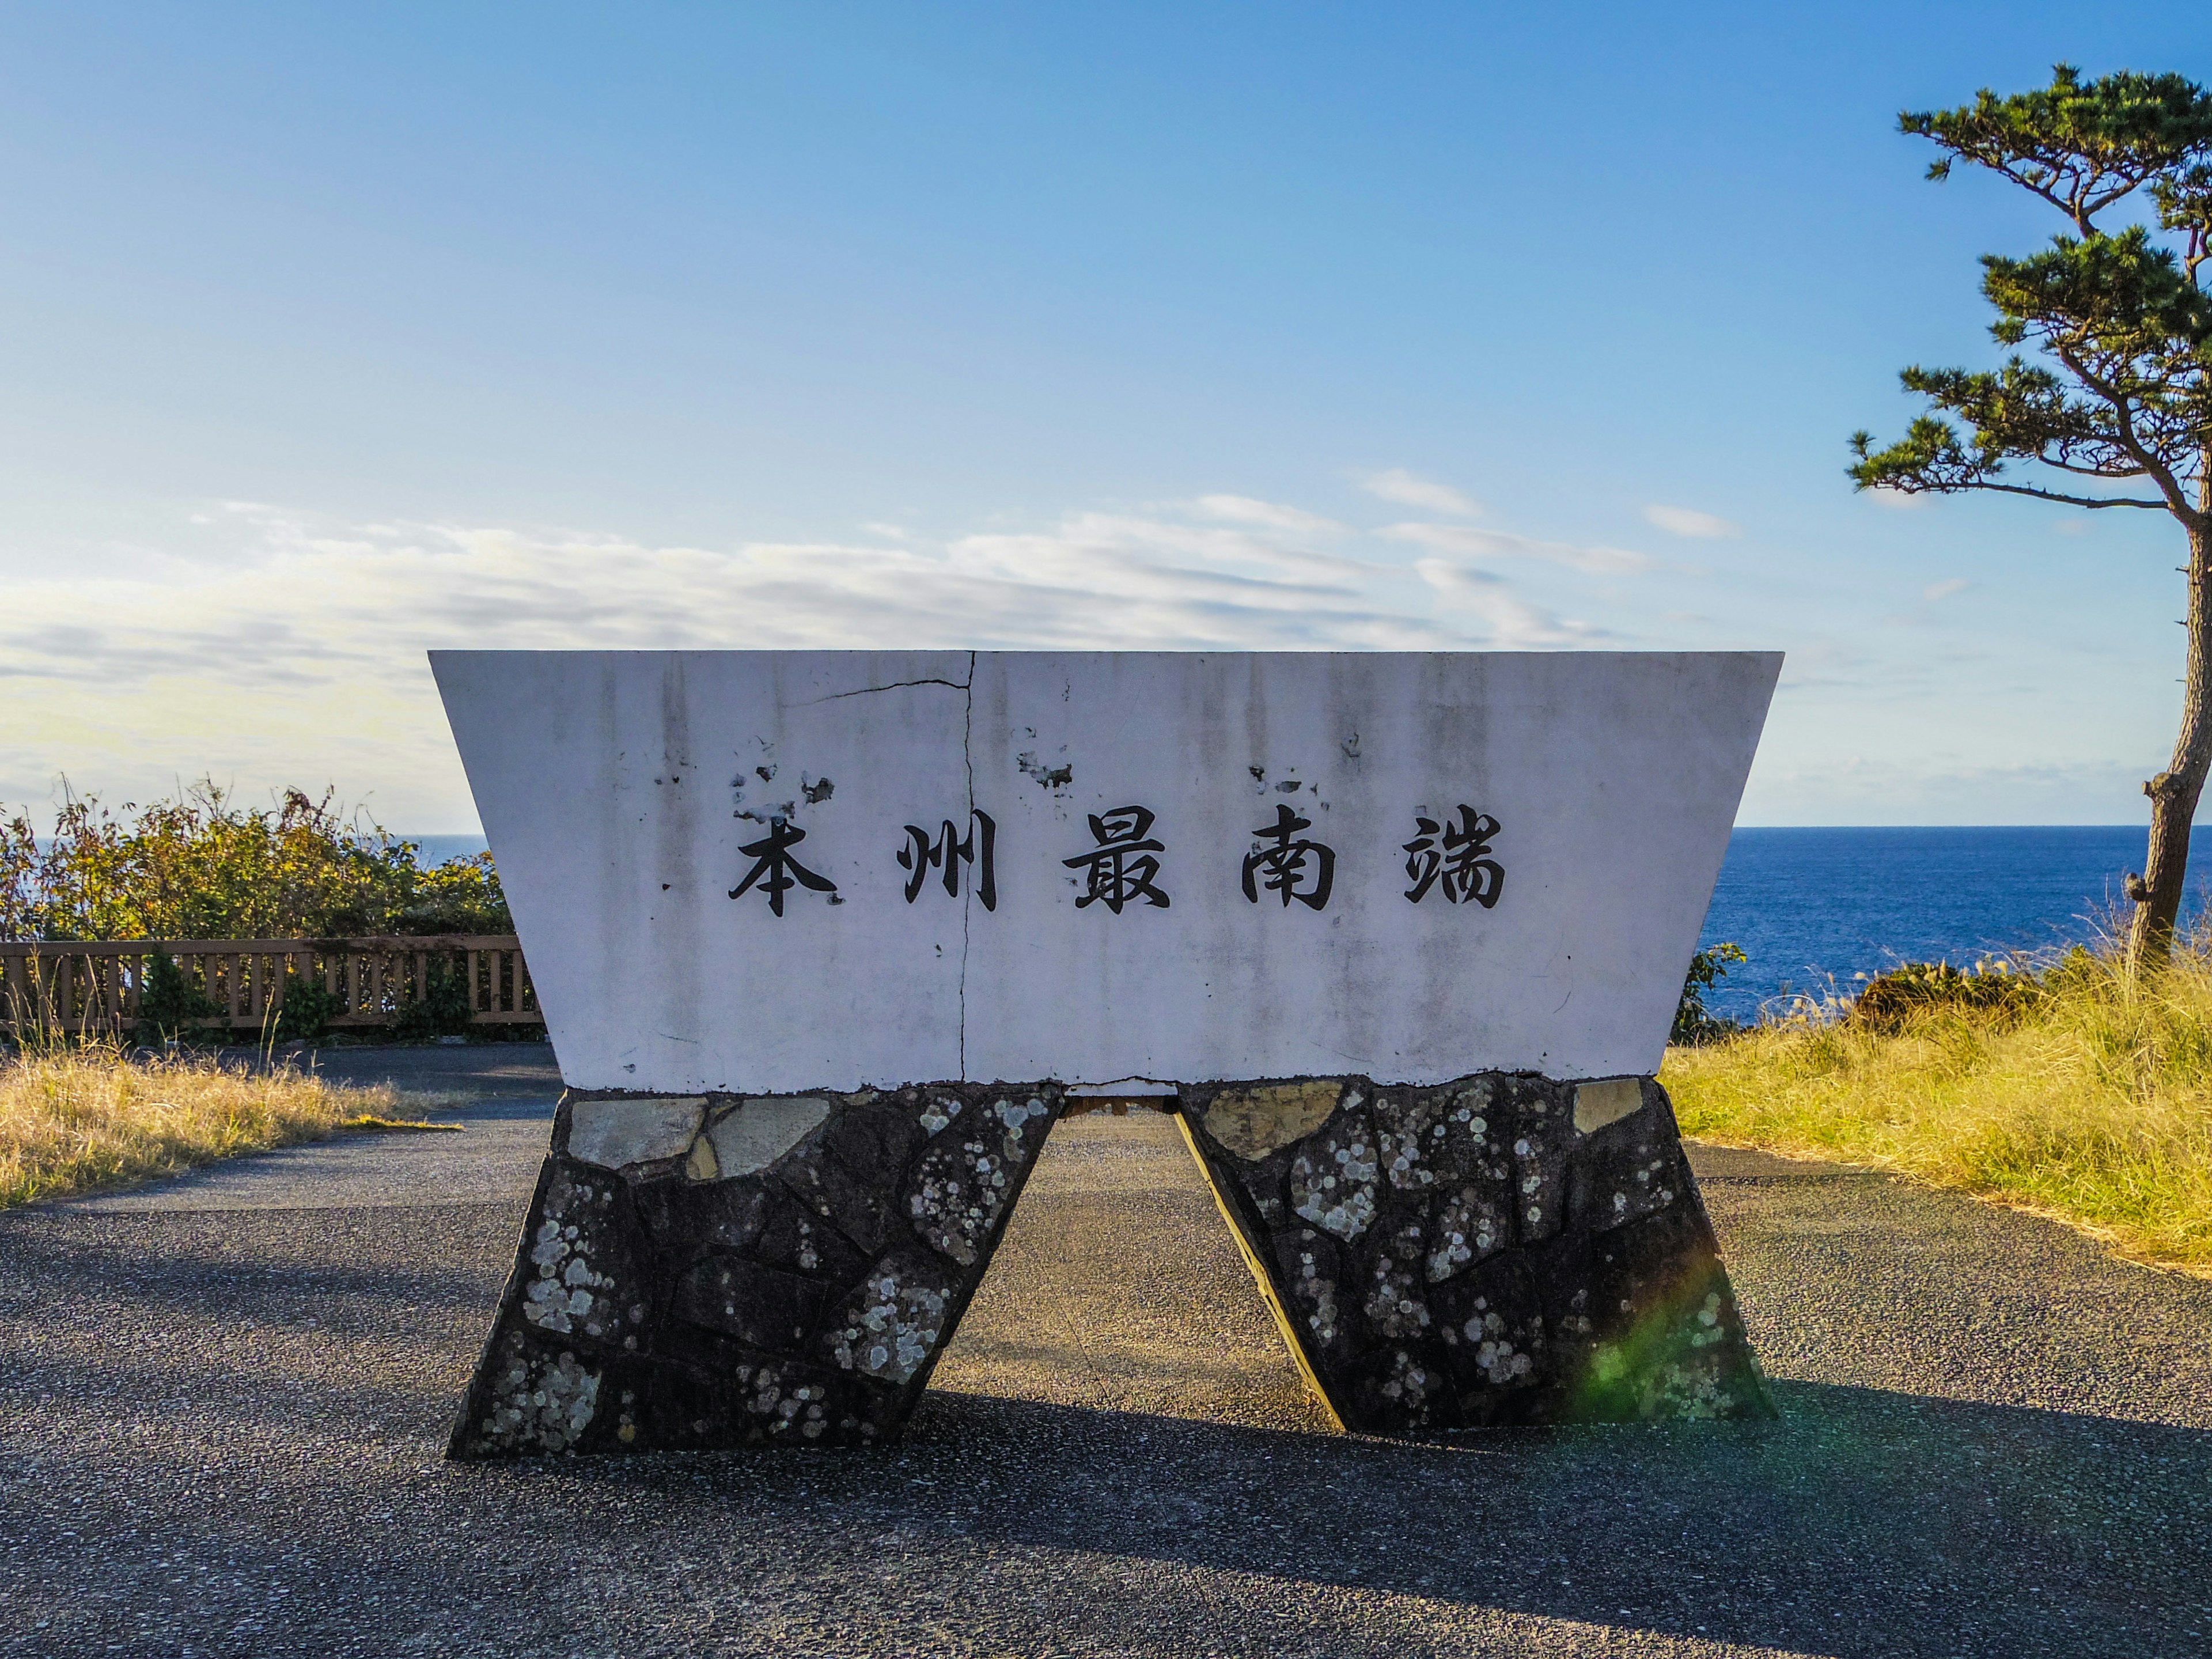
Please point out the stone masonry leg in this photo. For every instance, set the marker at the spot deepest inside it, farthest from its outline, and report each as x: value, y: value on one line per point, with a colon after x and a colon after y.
x: 1500, y: 1250
x: 718, y: 1271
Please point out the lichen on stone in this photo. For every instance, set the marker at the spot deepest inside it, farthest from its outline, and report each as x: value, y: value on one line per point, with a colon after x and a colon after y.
x: 1395, y: 1306
x: 1490, y: 1340
x: 1469, y: 1229
x: 536, y: 1404
x: 567, y: 1292
x: 1016, y: 1115
x: 940, y: 1111
x: 1333, y: 1177
x: 1317, y: 1292
x: 895, y: 1328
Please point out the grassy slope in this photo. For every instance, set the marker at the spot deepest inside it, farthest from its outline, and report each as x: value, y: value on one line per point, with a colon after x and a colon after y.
x: 78, y: 1118
x: 2094, y: 1107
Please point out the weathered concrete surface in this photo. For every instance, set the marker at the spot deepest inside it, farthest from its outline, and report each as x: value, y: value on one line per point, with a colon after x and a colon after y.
x: 777, y: 871
x: 221, y: 1433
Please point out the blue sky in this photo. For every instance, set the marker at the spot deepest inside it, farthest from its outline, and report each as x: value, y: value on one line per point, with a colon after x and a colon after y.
x: 339, y: 333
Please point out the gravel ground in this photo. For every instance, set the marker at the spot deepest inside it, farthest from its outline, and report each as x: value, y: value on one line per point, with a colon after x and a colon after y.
x: 222, y: 1407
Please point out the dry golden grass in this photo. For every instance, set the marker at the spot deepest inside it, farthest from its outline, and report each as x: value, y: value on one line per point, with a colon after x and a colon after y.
x: 73, y: 1119
x: 2092, y: 1106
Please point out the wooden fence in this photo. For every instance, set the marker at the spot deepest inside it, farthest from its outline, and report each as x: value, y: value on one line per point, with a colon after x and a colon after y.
x: 82, y: 986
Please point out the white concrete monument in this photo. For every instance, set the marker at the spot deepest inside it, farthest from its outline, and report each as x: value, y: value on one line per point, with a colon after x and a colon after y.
x: 768, y: 889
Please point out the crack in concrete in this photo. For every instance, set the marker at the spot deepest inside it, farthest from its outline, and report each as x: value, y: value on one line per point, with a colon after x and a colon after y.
x: 967, y: 899
x: 896, y: 685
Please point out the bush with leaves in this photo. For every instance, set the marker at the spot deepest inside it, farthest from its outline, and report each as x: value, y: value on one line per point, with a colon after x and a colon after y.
x: 171, y: 1007
x: 444, y: 1008
x: 1991, y: 991
x: 1694, y: 1021
x: 307, y: 1010
x: 205, y: 867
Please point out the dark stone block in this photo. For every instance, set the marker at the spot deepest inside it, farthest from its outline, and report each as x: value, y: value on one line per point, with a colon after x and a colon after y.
x: 1320, y: 1309
x: 962, y: 1187
x: 1469, y: 1222
x: 681, y: 1216
x: 535, y: 1393
x: 1543, y: 1132
x: 1491, y: 1321
x: 585, y: 1277
x: 650, y: 1310
x: 858, y: 1206
x: 1393, y: 1283
x: 1648, y: 1325
x: 762, y: 1307
x: 1444, y: 1258
x: 746, y: 1400
x: 891, y: 1326
x: 1629, y: 1170
x: 1455, y: 1258
x: 1402, y: 1388
x: 874, y: 1140
x: 795, y: 1239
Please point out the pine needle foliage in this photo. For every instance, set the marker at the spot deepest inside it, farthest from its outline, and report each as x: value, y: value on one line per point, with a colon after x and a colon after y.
x: 2109, y: 407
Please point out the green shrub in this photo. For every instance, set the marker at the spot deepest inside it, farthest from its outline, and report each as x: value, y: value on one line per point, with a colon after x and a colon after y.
x: 445, y: 1006
x: 203, y: 867
x: 170, y: 1006
x: 1693, y: 1023
x: 1991, y: 991
x: 308, y: 1007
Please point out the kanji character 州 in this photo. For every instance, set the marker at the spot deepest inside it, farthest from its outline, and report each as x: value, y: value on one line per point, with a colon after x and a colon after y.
x: 948, y: 852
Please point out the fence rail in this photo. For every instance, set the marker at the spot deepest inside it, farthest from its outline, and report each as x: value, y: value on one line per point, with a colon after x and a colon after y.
x: 91, y: 986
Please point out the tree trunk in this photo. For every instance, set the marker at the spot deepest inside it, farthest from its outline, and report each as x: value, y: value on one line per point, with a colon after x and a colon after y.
x: 2173, y: 792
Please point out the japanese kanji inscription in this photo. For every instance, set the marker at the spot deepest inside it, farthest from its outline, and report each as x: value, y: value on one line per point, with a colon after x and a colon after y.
x: 798, y: 870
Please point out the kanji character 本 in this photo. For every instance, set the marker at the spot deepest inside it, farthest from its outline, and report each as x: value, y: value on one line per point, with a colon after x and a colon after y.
x: 1284, y: 863
x: 1122, y: 865
x: 948, y: 852
x: 1452, y: 858
x: 772, y: 857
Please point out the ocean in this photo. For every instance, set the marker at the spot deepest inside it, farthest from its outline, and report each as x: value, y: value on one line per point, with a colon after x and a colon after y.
x: 1812, y: 909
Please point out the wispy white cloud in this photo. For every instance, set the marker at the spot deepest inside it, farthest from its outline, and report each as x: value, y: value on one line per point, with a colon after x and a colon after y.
x: 1513, y: 621
x: 1944, y: 590
x: 1408, y: 490
x: 1468, y: 542
x: 1899, y: 499
x: 1688, y: 521
x: 293, y: 650
x: 1270, y: 515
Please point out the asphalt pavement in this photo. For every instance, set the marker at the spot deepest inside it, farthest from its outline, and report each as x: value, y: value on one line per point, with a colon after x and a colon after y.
x: 223, y: 1402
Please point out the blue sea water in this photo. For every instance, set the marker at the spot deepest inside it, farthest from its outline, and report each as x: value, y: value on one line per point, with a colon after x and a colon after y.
x: 1813, y: 908
x: 436, y: 849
